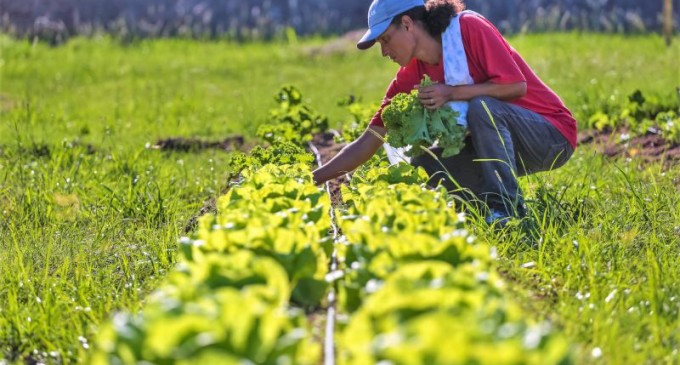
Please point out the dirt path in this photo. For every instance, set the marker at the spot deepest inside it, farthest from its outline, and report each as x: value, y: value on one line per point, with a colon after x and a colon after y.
x: 197, y: 144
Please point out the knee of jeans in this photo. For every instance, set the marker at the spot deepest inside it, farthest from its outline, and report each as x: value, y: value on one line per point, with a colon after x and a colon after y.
x: 426, y: 162
x: 436, y: 174
x: 421, y: 161
x: 477, y: 112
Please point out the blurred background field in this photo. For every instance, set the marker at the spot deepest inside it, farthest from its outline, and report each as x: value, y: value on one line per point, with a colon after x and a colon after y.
x: 55, y: 21
x: 98, y: 91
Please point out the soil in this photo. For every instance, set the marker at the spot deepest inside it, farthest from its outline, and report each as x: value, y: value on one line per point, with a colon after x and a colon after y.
x: 327, y: 147
x: 648, y: 148
x: 197, y: 144
x: 209, y: 206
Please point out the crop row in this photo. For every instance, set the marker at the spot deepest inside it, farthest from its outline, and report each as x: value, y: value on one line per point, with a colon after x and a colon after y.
x: 420, y: 289
x: 413, y: 285
x: 229, y: 299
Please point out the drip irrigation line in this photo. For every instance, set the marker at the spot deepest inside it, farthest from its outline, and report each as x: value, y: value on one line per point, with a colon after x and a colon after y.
x: 329, y: 339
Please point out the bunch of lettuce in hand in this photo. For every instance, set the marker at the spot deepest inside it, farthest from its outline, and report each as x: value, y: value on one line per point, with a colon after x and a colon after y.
x: 408, y: 123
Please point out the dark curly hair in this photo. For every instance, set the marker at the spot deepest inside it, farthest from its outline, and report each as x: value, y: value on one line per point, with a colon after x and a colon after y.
x: 434, y: 14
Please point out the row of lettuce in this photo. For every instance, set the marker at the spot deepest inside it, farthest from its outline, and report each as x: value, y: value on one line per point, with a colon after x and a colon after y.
x: 414, y: 286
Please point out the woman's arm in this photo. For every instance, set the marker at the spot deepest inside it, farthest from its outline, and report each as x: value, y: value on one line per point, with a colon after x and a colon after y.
x: 352, y: 155
x: 434, y: 96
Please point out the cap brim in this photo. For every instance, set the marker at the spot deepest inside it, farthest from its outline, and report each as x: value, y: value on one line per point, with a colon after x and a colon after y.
x: 368, y: 40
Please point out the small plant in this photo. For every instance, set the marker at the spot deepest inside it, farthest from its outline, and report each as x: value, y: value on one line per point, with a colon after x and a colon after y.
x: 279, y: 153
x: 292, y: 121
x: 361, y: 113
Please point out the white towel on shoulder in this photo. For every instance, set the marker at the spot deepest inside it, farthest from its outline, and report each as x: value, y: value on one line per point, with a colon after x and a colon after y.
x: 456, y: 71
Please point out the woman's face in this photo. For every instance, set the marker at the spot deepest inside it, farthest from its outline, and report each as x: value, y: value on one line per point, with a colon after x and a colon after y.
x: 397, y: 44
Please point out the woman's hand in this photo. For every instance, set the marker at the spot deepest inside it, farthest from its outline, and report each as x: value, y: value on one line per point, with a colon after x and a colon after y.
x: 435, y: 96
x: 352, y: 155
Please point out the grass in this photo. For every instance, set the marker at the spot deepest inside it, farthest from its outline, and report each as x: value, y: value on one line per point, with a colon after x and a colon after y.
x: 606, y: 269
x: 592, y: 71
x: 84, y: 234
x: 91, y: 216
x: 100, y: 92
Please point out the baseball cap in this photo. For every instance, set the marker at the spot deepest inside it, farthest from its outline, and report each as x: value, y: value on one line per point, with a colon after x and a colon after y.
x: 380, y: 15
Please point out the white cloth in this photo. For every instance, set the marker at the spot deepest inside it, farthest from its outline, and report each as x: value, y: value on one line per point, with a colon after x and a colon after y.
x: 456, y: 72
x: 396, y: 154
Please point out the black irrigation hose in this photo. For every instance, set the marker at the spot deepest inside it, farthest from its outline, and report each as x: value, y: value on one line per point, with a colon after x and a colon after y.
x: 329, y: 342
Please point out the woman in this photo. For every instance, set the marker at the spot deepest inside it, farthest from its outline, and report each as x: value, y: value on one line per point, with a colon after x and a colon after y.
x: 526, y: 129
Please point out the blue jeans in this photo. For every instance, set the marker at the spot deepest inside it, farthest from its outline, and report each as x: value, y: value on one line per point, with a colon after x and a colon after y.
x: 516, y: 142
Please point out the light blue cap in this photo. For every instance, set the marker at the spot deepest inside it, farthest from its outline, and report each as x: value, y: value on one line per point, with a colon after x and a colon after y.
x: 380, y: 15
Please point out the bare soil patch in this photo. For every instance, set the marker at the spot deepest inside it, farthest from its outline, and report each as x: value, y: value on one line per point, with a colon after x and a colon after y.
x: 197, y: 144
x: 648, y: 148
x: 328, y: 148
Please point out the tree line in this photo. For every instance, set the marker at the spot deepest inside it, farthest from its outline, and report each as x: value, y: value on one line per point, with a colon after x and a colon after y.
x: 57, y: 20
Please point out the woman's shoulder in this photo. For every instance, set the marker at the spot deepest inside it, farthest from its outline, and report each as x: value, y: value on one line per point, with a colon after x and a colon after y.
x: 472, y: 20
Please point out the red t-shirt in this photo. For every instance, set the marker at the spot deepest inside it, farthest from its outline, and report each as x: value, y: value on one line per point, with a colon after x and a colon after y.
x: 490, y: 59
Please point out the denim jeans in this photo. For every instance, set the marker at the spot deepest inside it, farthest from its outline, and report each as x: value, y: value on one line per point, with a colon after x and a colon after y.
x: 516, y: 142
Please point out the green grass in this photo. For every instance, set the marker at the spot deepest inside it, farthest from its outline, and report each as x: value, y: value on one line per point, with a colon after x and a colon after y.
x: 99, y: 92
x: 607, y: 268
x: 90, y: 217
x: 591, y: 71
x: 84, y: 234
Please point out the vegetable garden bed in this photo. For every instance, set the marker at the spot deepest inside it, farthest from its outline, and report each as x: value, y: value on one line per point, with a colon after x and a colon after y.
x: 392, y: 273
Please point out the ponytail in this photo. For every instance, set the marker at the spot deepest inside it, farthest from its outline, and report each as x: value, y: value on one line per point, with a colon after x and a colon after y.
x: 438, y: 14
x: 435, y: 15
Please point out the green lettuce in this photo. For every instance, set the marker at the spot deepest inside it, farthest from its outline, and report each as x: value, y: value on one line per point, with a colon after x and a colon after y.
x: 408, y: 123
